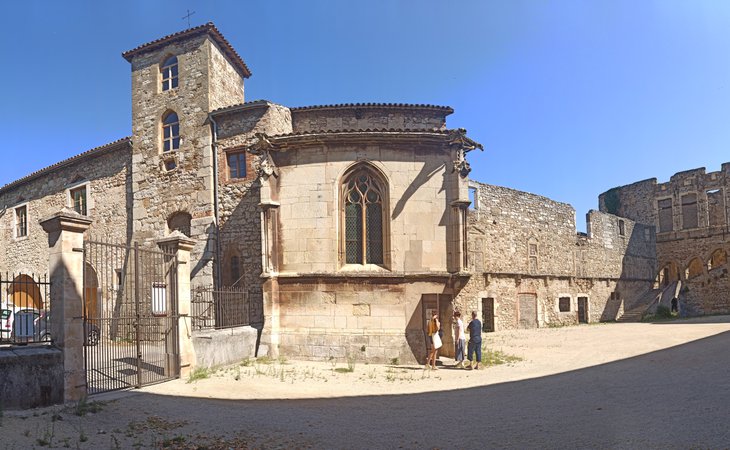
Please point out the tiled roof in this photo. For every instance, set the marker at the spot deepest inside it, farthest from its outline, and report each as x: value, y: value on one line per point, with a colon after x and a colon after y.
x: 94, y: 151
x: 368, y: 130
x: 447, y: 109
x: 251, y: 104
x: 208, y: 29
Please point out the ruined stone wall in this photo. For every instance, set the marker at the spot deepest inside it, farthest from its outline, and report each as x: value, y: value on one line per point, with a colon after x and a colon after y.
x: 369, y: 117
x: 689, y: 213
x: 166, y: 183
x: 106, y: 177
x: 524, y: 249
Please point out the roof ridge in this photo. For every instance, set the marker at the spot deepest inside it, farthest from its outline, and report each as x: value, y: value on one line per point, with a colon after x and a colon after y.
x: 208, y: 28
x: 372, y: 105
x: 64, y: 162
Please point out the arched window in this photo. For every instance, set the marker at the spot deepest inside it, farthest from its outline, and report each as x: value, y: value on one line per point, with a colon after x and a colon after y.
x: 170, y: 132
x: 717, y: 259
x: 169, y: 73
x: 180, y: 221
x: 694, y: 268
x: 363, y: 197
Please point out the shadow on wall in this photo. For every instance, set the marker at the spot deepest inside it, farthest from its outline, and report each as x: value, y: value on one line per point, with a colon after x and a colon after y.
x: 635, y: 285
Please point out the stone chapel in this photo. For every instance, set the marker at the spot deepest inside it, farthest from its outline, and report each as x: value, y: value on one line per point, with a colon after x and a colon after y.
x: 346, y: 223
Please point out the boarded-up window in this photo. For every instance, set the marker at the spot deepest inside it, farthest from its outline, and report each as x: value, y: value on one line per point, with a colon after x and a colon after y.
x: 716, y: 208
x: 689, y: 211
x: 532, y: 256
x: 180, y: 221
x: 564, y: 304
x: 665, y: 215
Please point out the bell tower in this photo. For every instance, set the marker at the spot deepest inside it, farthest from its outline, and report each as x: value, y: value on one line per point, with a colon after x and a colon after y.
x: 177, y: 81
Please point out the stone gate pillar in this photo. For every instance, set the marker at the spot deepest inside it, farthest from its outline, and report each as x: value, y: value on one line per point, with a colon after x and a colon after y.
x: 66, y: 269
x: 180, y: 245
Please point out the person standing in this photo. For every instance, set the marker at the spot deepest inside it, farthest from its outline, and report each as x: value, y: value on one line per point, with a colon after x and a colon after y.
x: 459, y: 340
x: 475, y: 340
x: 434, y: 339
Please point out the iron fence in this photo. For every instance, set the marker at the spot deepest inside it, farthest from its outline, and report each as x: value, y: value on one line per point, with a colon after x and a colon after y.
x: 24, y: 309
x: 226, y: 307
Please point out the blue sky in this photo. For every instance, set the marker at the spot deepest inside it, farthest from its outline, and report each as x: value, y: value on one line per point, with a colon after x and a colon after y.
x: 569, y: 98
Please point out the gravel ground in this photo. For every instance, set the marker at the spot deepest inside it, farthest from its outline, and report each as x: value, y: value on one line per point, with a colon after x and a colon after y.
x: 632, y: 385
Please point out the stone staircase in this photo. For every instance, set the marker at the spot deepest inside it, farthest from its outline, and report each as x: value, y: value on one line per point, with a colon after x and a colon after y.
x: 633, y: 315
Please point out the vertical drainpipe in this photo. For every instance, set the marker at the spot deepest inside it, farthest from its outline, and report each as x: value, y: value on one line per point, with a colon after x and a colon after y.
x: 214, y: 147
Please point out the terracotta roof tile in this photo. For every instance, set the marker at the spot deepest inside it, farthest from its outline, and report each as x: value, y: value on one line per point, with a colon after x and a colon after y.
x: 208, y: 29
x: 243, y: 105
x: 374, y: 106
x: 94, y: 151
x: 367, y: 130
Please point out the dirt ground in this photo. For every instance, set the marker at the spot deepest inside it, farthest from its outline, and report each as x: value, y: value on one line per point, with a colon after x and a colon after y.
x: 629, y: 385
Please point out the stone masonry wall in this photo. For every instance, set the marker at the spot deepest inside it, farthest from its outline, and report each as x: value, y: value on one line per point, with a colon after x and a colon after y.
x: 689, y: 213
x: 108, y: 194
x: 240, y: 213
x: 612, y: 266
x: 372, y: 117
x: 159, y: 193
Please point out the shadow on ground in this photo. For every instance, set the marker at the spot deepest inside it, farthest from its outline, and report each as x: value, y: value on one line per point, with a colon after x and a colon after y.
x: 673, y: 398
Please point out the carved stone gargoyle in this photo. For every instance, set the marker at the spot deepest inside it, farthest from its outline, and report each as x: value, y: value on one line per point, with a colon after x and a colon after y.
x: 463, y: 145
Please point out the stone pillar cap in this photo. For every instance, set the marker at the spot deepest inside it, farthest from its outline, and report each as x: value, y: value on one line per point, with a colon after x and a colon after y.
x: 178, y: 240
x: 65, y: 220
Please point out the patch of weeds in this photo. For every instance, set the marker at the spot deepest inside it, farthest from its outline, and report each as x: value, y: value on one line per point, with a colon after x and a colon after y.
x: 246, y: 363
x: 265, y: 360
x: 173, y: 442
x: 344, y: 369
x: 84, y: 407
x: 82, y: 436
x: 497, y: 357
x: 283, y: 360
x: 237, y: 375
x: 662, y: 313
x: 114, y: 444
x: 199, y: 374
x: 394, y: 361
x: 56, y: 417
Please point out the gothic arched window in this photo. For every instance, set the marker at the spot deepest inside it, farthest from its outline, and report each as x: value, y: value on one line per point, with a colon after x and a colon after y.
x: 169, y: 73
x: 364, y: 197
x: 170, y: 132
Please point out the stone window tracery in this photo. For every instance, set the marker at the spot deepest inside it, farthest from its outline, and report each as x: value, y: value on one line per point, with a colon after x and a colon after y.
x: 363, y: 194
x: 169, y: 73
x: 532, y: 254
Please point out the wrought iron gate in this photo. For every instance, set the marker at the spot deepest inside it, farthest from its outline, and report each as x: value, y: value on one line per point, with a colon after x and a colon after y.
x: 130, y: 316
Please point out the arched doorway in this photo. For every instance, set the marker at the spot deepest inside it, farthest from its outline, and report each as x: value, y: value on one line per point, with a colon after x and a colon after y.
x: 91, y: 293
x: 25, y: 293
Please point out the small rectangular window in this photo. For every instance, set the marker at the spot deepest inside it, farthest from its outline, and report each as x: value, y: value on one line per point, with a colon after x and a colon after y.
x: 564, y: 304
x: 473, y: 197
x: 21, y: 221
x: 237, y: 165
x: 666, y: 215
x: 621, y: 228
x: 159, y: 299
x: 689, y: 211
x: 78, y: 200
